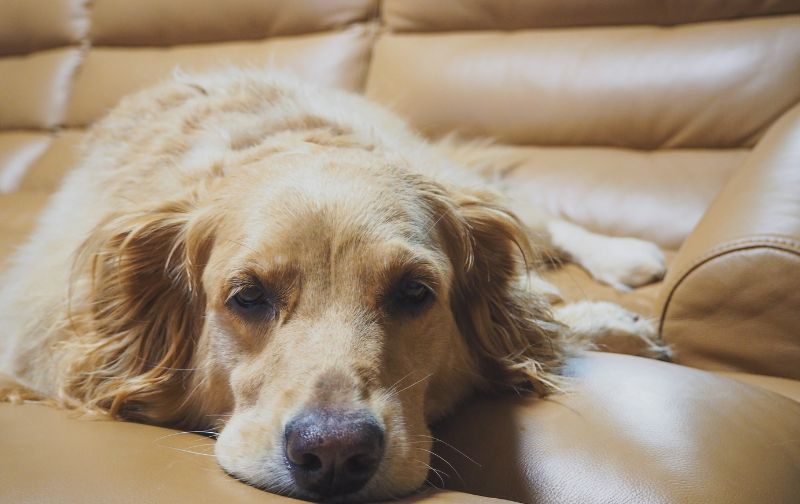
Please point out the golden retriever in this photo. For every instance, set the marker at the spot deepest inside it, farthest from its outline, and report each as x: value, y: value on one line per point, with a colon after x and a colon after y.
x: 294, y: 268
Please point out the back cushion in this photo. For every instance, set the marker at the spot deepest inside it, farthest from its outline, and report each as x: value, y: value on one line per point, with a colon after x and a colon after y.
x: 708, y: 85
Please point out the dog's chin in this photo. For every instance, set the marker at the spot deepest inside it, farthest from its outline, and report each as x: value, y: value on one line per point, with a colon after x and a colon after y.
x: 376, y: 490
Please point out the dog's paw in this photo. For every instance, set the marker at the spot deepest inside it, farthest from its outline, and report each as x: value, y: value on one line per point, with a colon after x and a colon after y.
x: 610, y: 327
x: 624, y: 263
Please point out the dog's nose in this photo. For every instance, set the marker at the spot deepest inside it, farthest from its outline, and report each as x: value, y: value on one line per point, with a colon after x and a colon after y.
x: 333, y: 452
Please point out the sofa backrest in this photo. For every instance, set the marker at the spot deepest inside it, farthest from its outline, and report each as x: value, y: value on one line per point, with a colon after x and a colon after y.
x: 628, y: 73
x: 687, y: 86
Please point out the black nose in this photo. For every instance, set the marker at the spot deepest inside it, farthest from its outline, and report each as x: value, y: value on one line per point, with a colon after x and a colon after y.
x: 333, y: 452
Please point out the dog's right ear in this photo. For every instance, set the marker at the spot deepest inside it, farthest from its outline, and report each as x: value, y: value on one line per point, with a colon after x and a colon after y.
x: 509, y: 329
x: 138, y: 318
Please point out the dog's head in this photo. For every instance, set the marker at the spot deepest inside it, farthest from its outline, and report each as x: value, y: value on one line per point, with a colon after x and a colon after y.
x: 320, y: 308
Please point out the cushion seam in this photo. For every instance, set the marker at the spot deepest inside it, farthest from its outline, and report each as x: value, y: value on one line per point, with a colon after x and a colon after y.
x: 784, y: 243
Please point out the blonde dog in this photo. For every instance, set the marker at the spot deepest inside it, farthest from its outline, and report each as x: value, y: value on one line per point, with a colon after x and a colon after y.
x: 293, y: 268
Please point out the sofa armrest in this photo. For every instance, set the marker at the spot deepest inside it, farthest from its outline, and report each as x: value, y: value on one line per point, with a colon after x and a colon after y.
x: 731, y: 299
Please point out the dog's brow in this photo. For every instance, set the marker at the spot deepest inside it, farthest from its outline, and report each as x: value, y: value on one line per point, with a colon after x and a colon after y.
x: 406, y: 262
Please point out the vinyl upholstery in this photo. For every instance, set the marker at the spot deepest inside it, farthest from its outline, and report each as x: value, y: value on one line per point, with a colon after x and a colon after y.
x: 676, y: 122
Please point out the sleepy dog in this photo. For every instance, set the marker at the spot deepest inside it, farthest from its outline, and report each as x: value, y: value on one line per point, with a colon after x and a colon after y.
x: 293, y: 268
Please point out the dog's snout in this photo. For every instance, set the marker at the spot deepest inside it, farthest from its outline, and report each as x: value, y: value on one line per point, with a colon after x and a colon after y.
x: 333, y: 452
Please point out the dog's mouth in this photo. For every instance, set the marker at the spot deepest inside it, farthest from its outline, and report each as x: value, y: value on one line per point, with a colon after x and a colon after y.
x: 328, y: 492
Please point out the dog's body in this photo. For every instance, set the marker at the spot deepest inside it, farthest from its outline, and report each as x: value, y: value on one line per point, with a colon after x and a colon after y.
x: 243, y: 246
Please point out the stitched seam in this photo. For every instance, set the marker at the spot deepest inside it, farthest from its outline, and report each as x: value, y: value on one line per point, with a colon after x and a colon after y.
x: 779, y: 242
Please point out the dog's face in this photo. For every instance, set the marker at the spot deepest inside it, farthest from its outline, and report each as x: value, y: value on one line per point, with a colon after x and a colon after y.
x: 333, y: 303
x: 329, y: 328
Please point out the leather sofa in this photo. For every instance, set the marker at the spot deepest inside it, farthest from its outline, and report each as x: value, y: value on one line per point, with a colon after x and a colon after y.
x: 677, y: 122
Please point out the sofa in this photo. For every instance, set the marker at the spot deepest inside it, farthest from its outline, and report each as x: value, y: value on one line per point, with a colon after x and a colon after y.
x: 676, y: 122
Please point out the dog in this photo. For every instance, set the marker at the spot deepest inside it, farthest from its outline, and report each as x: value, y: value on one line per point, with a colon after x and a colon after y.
x: 293, y: 268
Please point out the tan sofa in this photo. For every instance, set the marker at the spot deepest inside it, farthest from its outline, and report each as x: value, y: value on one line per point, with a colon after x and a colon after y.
x: 678, y: 122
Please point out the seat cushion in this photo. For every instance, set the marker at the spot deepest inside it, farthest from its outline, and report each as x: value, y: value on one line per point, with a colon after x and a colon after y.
x: 54, y: 456
x: 630, y: 430
x: 633, y: 430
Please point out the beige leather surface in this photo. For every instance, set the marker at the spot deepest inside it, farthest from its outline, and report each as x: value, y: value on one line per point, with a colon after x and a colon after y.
x: 731, y: 297
x: 18, y: 150
x: 52, y: 456
x: 49, y: 169
x: 336, y: 59
x: 658, y: 196
x: 35, y: 87
x: 29, y: 25
x: 671, y: 435
x: 560, y: 78
x: 709, y: 85
x: 163, y: 23
x: 441, y: 15
x: 783, y: 386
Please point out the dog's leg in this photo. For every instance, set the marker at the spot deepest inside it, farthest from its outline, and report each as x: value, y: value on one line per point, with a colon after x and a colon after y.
x: 607, y: 326
x: 622, y: 263
x: 619, y: 262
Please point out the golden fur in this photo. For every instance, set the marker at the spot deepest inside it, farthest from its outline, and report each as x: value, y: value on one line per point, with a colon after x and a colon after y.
x: 119, y: 303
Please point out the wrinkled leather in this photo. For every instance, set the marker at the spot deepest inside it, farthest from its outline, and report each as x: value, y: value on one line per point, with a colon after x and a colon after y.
x: 159, y: 23
x: 27, y: 26
x: 46, y: 173
x: 18, y: 150
x: 709, y: 85
x: 456, y: 15
x: 655, y: 195
x: 35, y: 88
x: 336, y: 59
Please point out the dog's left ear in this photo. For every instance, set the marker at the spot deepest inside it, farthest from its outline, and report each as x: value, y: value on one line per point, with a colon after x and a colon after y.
x: 143, y: 313
x: 509, y: 328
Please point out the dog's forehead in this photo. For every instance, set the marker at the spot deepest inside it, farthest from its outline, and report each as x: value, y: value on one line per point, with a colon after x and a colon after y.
x: 300, y: 196
x: 317, y: 209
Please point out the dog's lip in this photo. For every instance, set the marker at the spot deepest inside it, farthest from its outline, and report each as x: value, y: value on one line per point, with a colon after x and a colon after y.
x: 297, y: 493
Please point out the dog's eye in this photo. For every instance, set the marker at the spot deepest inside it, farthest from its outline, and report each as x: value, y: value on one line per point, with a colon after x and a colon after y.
x: 414, y: 291
x: 413, y: 294
x: 249, y: 296
x: 253, y: 301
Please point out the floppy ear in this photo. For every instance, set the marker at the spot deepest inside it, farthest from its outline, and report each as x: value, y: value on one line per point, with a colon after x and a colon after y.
x: 137, y: 322
x: 509, y: 328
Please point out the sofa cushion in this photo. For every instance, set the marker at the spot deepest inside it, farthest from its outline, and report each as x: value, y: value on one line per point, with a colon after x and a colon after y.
x: 441, y: 15
x: 731, y: 299
x: 35, y: 88
x: 708, y: 85
x: 633, y: 431
x: 36, y: 25
x: 165, y: 23
x: 18, y: 151
x: 672, y: 434
x: 336, y: 59
x: 54, y: 456
x: 653, y: 195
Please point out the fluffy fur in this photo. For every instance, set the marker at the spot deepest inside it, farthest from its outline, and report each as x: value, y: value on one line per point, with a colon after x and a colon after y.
x: 121, y: 300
